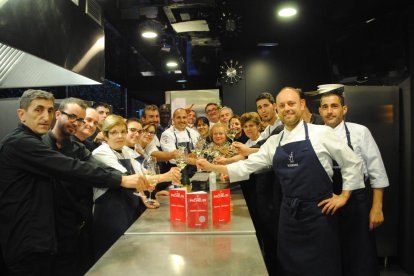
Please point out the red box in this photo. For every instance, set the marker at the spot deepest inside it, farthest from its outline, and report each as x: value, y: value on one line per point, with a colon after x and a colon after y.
x: 220, y: 206
x: 178, y: 205
x: 197, y: 210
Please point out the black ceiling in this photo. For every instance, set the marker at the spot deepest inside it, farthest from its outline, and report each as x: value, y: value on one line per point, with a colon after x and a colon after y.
x: 340, y: 24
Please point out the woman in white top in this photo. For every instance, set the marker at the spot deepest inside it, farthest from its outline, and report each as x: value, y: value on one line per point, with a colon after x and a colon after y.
x: 115, y: 210
x: 250, y: 122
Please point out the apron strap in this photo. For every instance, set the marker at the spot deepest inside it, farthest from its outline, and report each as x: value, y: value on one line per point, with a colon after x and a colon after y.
x: 189, y: 137
x: 348, y: 137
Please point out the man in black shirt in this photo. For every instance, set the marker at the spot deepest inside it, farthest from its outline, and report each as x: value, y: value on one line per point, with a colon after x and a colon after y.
x: 27, y: 225
x: 74, y: 201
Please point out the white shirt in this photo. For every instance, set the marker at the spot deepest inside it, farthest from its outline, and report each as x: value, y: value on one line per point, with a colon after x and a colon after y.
x: 106, y: 155
x: 268, y: 130
x: 251, y: 143
x: 367, y: 150
x: 211, y: 124
x: 169, y: 140
x: 326, y: 145
x: 153, y: 146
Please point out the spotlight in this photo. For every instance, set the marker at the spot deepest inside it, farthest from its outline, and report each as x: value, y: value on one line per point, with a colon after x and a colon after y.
x: 149, y: 34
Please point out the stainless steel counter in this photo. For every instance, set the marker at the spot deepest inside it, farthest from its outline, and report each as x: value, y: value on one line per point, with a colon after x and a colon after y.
x: 157, y: 221
x: 154, y: 246
x: 182, y: 255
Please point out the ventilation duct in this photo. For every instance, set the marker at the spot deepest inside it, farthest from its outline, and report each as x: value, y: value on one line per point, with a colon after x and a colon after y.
x: 50, y: 43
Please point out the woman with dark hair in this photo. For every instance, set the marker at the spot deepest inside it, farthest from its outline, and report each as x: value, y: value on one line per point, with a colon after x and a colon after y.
x: 203, y: 126
x: 235, y: 126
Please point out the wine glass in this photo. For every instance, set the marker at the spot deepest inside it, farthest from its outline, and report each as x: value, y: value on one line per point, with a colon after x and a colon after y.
x: 181, y: 161
x: 151, y: 171
x: 199, y: 147
x: 231, y: 134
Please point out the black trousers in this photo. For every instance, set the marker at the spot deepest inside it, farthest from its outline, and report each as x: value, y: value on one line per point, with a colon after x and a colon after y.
x: 3, y: 269
x: 33, y: 264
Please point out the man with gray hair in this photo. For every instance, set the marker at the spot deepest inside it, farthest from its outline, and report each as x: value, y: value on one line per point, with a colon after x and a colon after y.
x: 27, y: 224
x: 225, y: 115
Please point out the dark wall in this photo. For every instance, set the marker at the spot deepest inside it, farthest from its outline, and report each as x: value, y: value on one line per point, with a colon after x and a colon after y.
x: 406, y: 241
x: 270, y: 69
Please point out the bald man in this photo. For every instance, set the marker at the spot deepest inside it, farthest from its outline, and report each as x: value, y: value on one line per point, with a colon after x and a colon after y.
x: 87, y: 129
x: 301, y: 156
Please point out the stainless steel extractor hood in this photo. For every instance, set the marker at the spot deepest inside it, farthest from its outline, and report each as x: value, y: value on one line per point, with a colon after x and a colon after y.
x: 50, y: 43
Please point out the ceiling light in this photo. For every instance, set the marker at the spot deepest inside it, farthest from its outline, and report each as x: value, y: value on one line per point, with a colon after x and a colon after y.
x: 182, y: 81
x: 287, y: 12
x: 172, y: 64
x: 149, y: 34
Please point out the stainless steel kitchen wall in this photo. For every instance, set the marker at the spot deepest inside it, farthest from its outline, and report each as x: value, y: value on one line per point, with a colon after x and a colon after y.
x: 377, y: 107
x: 57, y: 31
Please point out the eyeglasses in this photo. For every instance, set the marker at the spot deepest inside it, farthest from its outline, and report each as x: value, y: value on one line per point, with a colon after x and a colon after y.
x: 116, y: 132
x: 211, y: 110
x: 73, y: 118
x: 149, y: 132
x: 134, y: 130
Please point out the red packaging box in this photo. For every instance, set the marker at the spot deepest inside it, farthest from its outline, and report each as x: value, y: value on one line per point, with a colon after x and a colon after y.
x: 220, y: 206
x: 197, y: 210
x: 178, y: 205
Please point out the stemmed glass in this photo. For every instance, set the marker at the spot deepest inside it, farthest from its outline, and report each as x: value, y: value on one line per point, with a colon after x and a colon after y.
x: 231, y: 134
x: 181, y: 161
x: 199, y: 147
x: 151, y: 171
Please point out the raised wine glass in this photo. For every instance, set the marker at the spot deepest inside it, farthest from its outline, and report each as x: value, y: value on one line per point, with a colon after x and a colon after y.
x: 181, y: 161
x: 231, y: 134
x: 151, y: 171
x: 198, y: 149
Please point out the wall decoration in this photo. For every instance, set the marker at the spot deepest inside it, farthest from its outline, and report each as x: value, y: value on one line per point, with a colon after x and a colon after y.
x: 231, y: 72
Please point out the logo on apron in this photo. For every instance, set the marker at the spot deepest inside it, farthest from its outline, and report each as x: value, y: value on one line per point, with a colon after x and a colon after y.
x: 292, y: 161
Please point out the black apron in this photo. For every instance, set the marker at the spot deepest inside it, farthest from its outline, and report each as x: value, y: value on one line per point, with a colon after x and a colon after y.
x: 189, y: 170
x: 114, y: 212
x: 358, y: 249
x: 308, y: 240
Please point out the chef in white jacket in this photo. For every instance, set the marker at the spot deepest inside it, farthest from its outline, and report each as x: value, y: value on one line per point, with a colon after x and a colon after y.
x: 301, y: 156
x: 363, y: 211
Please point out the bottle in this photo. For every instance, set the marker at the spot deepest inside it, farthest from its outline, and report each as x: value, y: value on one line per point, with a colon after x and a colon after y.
x: 185, y: 180
x: 212, y: 182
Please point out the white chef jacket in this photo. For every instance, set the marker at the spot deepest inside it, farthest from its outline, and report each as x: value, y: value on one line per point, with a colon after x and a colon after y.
x: 367, y: 150
x: 268, y: 130
x: 326, y: 145
x: 251, y: 143
x: 169, y: 140
x: 109, y: 157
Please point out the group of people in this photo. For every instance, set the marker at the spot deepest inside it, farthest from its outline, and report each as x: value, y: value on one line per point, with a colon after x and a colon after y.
x: 70, y: 191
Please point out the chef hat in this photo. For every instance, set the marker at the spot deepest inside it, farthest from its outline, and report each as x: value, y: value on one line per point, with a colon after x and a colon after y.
x: 331, y: 88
